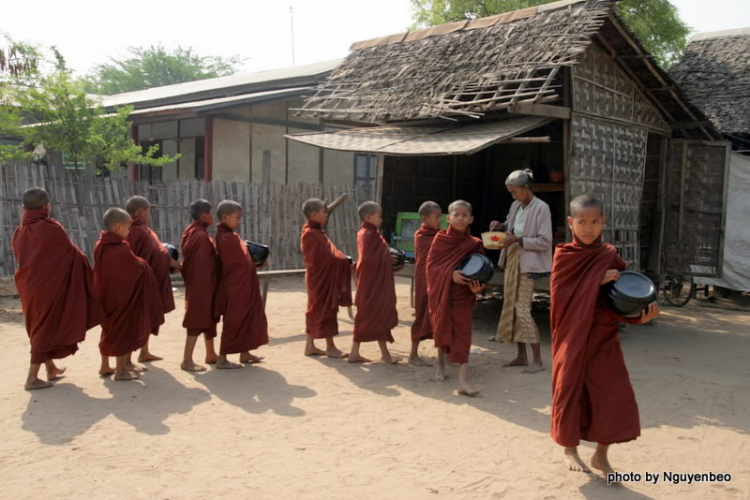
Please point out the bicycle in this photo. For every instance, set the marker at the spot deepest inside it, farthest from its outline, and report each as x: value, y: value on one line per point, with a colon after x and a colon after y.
x: 678, y: 290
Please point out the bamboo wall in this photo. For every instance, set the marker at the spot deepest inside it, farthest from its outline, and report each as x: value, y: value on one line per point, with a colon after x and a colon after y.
x: 272, y: 212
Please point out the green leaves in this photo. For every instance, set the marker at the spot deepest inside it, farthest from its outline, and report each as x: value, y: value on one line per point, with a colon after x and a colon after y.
x: 155, y: 66
x: 656, y: 23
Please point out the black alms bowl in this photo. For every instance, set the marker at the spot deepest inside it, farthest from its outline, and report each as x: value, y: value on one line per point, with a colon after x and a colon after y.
x: 400, y: 257
x: 477, y: 267
x: 258, y: 252
x: 630, y: 295
x: 172, y: 251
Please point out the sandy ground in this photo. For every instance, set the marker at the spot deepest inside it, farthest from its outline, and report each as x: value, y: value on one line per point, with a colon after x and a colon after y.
x: 300, y: 428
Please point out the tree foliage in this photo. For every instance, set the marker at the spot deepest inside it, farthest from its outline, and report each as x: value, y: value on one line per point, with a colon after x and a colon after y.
x: 156, y: 66
x: 656, y: 23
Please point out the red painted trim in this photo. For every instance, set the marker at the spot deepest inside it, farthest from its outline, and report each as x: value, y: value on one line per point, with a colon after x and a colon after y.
x: 208, y: 148
x: 135, y: 171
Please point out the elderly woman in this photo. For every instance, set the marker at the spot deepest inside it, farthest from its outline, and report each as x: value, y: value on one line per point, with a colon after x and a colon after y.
x: 526, y: 256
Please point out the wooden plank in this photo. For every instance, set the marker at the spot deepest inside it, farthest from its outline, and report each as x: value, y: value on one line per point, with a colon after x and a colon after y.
x: 549, y: 110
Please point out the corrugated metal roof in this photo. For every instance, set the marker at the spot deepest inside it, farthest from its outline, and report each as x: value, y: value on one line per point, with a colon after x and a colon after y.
x: 449, y: 139
x: 182, y: 91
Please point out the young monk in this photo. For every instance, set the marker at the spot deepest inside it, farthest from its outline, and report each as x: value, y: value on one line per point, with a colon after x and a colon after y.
x: 128, y: 293
x: 592, y: 398
x: 54, y: 283
x: 431, y: 214
x: 376, y: 288
x: 238, y: 293
x: 145, y: 243
x: 200, y: 272
x: 328, y: 278
x: 451, y: 295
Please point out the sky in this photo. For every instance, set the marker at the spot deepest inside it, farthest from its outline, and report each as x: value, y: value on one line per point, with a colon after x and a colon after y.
x: 89, y: 31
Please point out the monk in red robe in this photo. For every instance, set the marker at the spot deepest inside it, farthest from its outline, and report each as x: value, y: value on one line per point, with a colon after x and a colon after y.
x: 592, y: 398
x: 376, y: 288
x: 421, y: 329
x: 54, y: 283
x: 200, y: 272
x: 238, y: 297
x: 328, y: 278
x: 145, y: 243
x: 128, y: 293
x: 451, y: 295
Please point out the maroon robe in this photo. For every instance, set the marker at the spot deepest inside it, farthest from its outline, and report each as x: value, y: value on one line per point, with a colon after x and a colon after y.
x: 421, y: 329
x: 376, y: 288
x: 238, y: 297
x: 54, y: 283
x: 128, y: 292
x: 592, y: 398
x: 328, y: 278
x: 200, y: 271
x: 145, y: 243
x: 451, y: 306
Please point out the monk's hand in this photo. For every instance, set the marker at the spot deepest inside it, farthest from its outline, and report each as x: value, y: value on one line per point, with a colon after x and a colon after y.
x: 460, y: 279
x: 497, y: 226
x: 476, y: 286
x: 174, y: 266
x: 264, y: 265
x: 650, y: 313
x: 610, y: 275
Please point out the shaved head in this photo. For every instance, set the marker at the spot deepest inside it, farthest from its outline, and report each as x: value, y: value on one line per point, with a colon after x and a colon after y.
x: 115, y: 216
x: 198, y: 208
x: 311, y: 206
x: 227, y: 207
x: 368, y: 208
x: 136, y: 203
x: 428, y: 208
x: 584, y: 202
x: 35, y: 198
x: 460, y: 203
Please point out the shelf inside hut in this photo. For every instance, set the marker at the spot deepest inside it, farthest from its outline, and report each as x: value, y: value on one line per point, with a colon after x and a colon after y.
x: 549, y: 187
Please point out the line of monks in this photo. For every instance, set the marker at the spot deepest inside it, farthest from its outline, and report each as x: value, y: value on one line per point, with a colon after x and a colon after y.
x: 130, y: 291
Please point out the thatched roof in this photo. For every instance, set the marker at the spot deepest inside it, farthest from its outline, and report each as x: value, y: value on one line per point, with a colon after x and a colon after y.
x: 715, y: 75
x: 471, y: 68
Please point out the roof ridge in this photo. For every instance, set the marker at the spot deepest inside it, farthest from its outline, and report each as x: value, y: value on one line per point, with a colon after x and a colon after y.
x: 721, y: 34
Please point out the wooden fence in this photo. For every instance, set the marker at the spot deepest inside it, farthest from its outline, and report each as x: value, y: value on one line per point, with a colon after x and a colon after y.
x: 272, y: 212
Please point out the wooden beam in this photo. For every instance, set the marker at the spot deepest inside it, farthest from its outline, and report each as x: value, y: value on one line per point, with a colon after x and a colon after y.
x: 561, y: 112
x: 270, y: 121
x: 689, y: 125
x: 526, y: 140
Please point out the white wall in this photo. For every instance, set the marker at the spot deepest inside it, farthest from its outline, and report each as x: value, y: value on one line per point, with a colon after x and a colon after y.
x: 231, y: 151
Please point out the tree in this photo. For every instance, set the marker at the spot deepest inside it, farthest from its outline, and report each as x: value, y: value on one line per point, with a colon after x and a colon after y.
x: 155, y: 66
x: 60, y: 116
x: 656, y: 23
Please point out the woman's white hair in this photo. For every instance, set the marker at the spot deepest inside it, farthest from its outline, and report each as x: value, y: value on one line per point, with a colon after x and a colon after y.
x: 521, y: 178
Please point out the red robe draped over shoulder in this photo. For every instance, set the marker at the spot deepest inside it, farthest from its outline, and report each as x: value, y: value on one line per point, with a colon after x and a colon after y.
x: 376, y: 288
x: 54, y: 283
x: 238, y: 297
x: 200, y: 272
x: 145, y: 243
x: 592, y: 398
x: 128, y: 293
x: 451, y: 306
x: 421, y: 328
x: 328, y: 278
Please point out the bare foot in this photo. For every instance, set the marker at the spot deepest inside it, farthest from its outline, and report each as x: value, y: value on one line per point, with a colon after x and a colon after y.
x: 335, y: 353
x: 417, y: 361
x: 250, y: 359
x: 227, y: 365
x: 314, y: 351
x: 534, y: 367
x: 492, y: 338
x: 574, y: 462
x: 212, y: 359
x: 147, y: 356
x: 128, y: 375
x: 136, y: 368
x: 391, y: 360
x: 189, y: 366
x: 106, y: 371
x: 358, y: 359
x: 439, y: 375
x: 468, y: 391
x: 602, y: 463
x: 517, y: 362
x: 37, y: 384
x: 55, y: 373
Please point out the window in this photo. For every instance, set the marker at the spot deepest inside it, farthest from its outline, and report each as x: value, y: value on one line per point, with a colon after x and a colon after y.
x: 199, y: 158
x: 149, y: 173
x: 365, y: 167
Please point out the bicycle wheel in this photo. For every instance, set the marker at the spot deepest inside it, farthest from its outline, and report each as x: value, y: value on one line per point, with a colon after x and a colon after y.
x: 678, y: 290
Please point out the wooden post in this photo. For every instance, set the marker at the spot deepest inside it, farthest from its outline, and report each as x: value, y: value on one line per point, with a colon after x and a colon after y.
x: 208, y: 148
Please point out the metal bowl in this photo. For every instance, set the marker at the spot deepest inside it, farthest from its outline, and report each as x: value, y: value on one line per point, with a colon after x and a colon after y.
x: 477, y: 267
x: 172, y: 251
x: 258, y: 252
x: 400, y: 257
x: 630, y: 295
